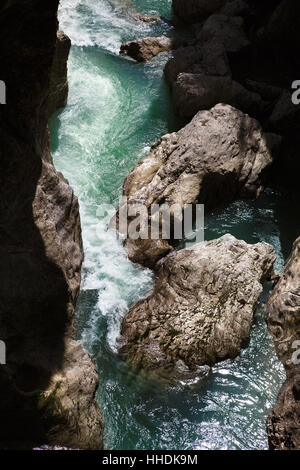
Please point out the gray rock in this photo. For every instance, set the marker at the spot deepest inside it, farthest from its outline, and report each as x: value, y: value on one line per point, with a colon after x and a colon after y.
x: 200, y: 311
x: 220, y: 156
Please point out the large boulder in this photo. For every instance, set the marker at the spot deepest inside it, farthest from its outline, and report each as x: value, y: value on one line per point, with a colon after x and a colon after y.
x: 283, y: 308
x: 192, y: 11
x: 200, y: 311
x: 221, y: 155
x: 147, y: 48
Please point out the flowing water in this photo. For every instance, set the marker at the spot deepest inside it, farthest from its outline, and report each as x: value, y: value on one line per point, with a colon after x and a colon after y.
x: 116, y: 110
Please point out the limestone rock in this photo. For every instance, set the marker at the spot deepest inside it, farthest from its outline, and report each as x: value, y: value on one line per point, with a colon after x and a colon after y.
x: 147, y: 48
x: 200, y: 311
x: 220, y: 156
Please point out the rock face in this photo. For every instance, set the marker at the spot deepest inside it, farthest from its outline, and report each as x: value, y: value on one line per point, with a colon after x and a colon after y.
x: 59, y: 88
x: 193, y: 11
x: 200, y: 75
x: 48, y: 383
x: 226, y: 30
x: 194, y: 92
x: 218, y: 157
x: 283, y: 424
x: 283, y: 319
x: 232, y: 40
x: 147, y: 48
x: 200, y: 311
x: 284, y: 309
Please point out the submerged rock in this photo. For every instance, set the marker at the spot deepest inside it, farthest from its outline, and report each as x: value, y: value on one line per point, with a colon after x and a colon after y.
x: 283, y: 308
x: 144, y: 18
x: 147, y: 48
x: 221, y: 155
x: 200, y: 311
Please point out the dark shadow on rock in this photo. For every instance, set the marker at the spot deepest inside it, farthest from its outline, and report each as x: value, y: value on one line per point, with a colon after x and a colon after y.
x: 41, y: 252
x: 33, y: 290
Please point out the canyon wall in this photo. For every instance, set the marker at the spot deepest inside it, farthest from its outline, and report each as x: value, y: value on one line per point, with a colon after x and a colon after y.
x: 48, y: 384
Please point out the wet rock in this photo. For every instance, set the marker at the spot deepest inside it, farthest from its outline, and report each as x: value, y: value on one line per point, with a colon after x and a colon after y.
x: 147, y: 48
x: 200, y: 311
x: 220, y: 156
x: 144, y: 18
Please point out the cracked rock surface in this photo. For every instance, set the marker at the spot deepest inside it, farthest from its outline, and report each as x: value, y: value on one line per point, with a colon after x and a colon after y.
x: 200, y: 311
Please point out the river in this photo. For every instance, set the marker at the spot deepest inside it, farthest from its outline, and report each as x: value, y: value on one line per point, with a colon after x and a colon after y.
x: 117, y: 109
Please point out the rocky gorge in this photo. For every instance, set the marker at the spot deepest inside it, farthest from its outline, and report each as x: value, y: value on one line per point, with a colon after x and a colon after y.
x: 240, y: 135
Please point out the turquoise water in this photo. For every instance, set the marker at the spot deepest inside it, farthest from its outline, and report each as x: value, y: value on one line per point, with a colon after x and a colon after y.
x: 116, y: 110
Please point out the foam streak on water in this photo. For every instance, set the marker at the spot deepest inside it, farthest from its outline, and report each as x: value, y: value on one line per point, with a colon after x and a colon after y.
x: 116, y: 110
